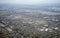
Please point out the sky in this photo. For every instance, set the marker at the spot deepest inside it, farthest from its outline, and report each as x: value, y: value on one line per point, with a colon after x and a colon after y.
x: 30, y: 2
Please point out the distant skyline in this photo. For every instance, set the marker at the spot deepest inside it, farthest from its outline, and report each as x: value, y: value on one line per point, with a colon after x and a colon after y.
x: 30, y: 2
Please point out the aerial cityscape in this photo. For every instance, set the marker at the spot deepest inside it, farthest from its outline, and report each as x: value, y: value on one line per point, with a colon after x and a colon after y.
x: 29, y: 21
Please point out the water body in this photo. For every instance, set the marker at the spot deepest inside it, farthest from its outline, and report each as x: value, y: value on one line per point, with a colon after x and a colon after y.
x: 51, y: 13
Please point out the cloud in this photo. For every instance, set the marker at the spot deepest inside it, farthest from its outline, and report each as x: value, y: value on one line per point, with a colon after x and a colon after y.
x: 30, y: 1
